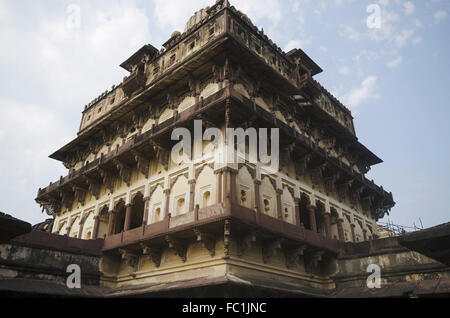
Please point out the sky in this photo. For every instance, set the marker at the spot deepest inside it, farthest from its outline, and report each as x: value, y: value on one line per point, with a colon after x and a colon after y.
x: 386, y: 60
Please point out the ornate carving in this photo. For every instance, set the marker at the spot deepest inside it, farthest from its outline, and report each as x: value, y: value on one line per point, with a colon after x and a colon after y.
x: 208, y: 241
x: 227, y: 238
x: 143, y: 164
x: 124, y: 171
x: 67, y: 199
x: 108, y: 179
x: 245, y: 243
x: 161, y: 155
x: 179, y: 247
x: 95, y: 186
x: 270, y: 248
x: 302, y: 164
x: 80, y: 194
x: 154, y: 253
x: 130, y: 259
x: 293, y: 256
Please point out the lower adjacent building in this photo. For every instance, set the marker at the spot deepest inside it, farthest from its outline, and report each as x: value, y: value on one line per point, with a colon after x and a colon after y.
x: 414, y: 265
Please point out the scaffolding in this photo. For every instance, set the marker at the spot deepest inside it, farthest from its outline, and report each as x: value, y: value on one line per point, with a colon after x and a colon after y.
x: 399, y: 230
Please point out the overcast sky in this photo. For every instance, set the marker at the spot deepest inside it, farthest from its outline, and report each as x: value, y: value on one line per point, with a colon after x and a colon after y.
x: 394, y: 76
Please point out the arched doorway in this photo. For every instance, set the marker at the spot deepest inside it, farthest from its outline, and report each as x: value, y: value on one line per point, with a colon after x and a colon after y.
x: 137, y: 211
x: 119, y: 220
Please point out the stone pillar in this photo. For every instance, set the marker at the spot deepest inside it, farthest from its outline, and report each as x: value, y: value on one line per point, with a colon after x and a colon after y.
x: 192, y: 195
x: 219, y: 186
x: 112, y: 219
x: 233, y: 177
x: 96, y: 227
x: 327, y: 219
x: 146, y: 210
x: 365, y: 235
x: 341, y: 230
x: 166, y: 206
x: 312, y: 218
x: 298, y: 221
x: 257, y: 199
x: 353, y: 232
x: 128, y: 210
x: 279, y: 207
x: 80, y: 231
x: 226, y: 190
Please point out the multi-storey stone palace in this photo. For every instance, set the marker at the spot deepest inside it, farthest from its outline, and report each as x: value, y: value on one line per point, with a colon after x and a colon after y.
x: 163, y: 222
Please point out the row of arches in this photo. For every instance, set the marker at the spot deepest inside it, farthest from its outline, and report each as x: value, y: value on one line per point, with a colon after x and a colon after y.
x: 184, y: 195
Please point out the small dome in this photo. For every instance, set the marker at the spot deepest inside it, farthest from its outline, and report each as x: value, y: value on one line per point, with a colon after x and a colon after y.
x: 175, y: 34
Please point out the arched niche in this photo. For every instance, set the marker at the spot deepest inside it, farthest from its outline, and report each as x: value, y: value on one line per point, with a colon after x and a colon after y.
x: 288, y: 206
x: 179, y: 196
x: 268, y: 198
x: 245, y: 188
x: 205, y: 188
x: 156, y: 204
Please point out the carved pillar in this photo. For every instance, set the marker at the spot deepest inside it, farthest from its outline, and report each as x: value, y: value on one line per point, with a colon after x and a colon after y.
x: 192, y: 195
x: 312, y: 218
x: 233, y: 177
x: 166, y: 207
x: 257, y: 199
x: 80, y: 231
x: 219, y: 185
x: 128, y: 210
x: 96, y: 227
x: 327, y: 218
x: 353, y: 232
x: 297, y: 212
x: 341, y: 230
x: 112, y: 219
x: 146, y: 209
x: 365, y: 235
x: 226, y: 190
x: 279, y: 208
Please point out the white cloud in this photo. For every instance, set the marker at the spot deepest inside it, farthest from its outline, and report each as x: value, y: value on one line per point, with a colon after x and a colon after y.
x: 395, y: 62
x: 409, y: 7
x: 344, y: 70
x: 402, y: 38
x: 440, y: 15
x: 366, y: 91
x: 417, y: 40
x: 76, y: 65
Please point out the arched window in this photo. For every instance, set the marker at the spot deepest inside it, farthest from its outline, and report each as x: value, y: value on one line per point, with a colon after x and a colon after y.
x: 180, y: 206
x: 206, y: 199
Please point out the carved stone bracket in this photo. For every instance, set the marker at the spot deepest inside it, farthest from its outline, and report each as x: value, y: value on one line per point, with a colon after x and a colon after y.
x: 154, y: 253
x: 124, y: 171
x: 143, y: 164
x: 179, y: 247
x: 130, y: 259
x: 293, y: 255
x: 270, y: 249
x: 315, y: 258
x: 67, y: 199
x: 80, y: 194
x: 208, y: 241
x: 95, y: 186
x: 108, y: 179
x: 162, y: 155
x: 245, y: 243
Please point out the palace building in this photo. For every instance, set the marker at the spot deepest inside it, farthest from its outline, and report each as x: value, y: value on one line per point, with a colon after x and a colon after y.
x: 203, y: 222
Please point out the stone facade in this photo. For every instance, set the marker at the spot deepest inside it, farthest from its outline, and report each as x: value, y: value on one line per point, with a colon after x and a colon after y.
x: 164, y: 222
